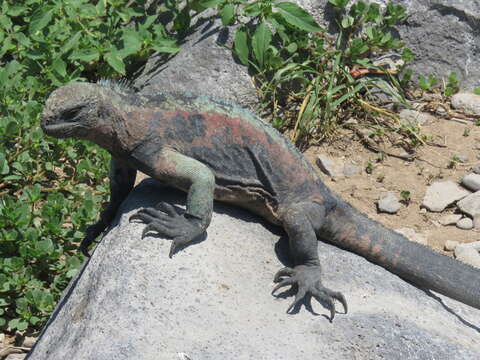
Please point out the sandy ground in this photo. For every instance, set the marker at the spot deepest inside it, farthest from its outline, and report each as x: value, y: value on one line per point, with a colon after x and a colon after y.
x: 396, y: 175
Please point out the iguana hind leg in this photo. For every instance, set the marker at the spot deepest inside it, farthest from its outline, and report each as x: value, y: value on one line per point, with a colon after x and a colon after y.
x: 306, y: 274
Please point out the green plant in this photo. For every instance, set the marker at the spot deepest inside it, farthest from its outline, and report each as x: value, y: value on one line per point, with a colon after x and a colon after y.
x: 452, y: 164
x: 452, y: 85
x: 305, y: 78
x: 369, y: 168
x: 476, y: 91
x: 51, y: 189
x: 466, y: 132
x: 427, y: 83
x: 405, y: 197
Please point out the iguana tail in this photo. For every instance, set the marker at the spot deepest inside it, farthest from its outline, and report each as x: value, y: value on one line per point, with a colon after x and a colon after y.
x: 354, y: 231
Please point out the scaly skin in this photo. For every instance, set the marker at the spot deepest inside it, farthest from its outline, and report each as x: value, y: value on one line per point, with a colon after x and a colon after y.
x: 215, y: 150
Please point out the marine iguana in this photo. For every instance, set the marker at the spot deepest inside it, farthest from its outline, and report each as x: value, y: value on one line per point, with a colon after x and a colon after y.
x: 216, y: 150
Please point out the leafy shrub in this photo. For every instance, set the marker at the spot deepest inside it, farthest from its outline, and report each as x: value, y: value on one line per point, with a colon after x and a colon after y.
x: 51, y: 189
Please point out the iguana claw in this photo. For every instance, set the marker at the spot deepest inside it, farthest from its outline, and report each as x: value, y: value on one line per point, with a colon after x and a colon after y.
x: 307, y: 278
x: 165, y: 220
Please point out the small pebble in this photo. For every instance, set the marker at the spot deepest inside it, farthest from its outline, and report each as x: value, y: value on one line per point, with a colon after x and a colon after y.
x: 450, y: 245
x: 29, y: 341
x: 412, y: 235
x: 389, y: 204
x: 451, y: 219
x: 465, y: 223
x: 471, y: 182
x: 469, y: 253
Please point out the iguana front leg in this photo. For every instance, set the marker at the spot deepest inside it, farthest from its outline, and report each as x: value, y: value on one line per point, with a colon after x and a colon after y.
x: 190, y: 175
x: 122, y: 179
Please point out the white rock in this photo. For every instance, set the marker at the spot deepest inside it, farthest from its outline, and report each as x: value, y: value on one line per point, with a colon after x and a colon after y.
x: 465, y: 223
x: 412, y: 235
x: 29, y: 341
x: 389, y: 204
x: 330, y: 167
x: 450, y: 245
x: 16, y: 357
x: 451, y: 219
x: 471, y: 204
x: 469, y: 253
x: 471, y: 182
x: 476, y: 222
x: 408, y: 116
x: 467, y: 102
x: 441, y: 194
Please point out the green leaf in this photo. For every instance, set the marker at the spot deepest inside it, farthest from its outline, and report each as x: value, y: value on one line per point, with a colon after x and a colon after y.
x: 45, y: 246
x: 166, y: 46
x: 116, y: 62
x: 205, y: 4
x: 476, y: 91
x: 227, y: 13
x: 260, y: 42
x: 295, y: 15
x: 40, y: 19
x: 241, y: 46
x: 86, y: 55
x: 60, y: 67
x: 132, y: 42
x: 18, y: 324
x: 73, y: 42
x: 4, y: 168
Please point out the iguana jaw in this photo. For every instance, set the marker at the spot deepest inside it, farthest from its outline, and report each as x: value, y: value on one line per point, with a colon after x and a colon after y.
x: 62, y: 130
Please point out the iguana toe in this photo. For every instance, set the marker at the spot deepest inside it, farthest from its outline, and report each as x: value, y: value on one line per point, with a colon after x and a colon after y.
x: 307, y: 279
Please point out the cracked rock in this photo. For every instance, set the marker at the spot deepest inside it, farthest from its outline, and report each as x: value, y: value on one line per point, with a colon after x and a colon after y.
x: 441, y: 194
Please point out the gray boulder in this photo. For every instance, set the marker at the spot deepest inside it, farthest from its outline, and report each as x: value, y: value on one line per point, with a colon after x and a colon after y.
x: 212, y: 301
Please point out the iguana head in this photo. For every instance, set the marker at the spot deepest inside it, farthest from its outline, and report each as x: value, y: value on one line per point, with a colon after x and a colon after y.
x: 73, y: 110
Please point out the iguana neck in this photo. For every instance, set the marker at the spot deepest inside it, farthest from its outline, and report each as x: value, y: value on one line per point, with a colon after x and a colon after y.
x: 111, y: 132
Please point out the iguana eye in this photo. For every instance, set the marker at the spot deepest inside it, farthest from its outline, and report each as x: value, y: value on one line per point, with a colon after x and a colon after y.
x: 70, y: 115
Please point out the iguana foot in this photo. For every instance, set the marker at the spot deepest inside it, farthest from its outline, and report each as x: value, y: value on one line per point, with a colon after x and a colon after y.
x: 165, y: 220
x: 307, y: 278
x: 91, y: 234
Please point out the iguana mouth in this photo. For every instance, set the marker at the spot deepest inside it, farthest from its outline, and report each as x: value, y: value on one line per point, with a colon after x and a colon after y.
x: 63, y: 129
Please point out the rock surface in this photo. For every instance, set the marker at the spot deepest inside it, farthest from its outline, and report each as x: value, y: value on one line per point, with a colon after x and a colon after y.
x: 204, y: 66
x: 465, y: 224
x: 451, y: 219
x: 471, y: 182
x: 412, y: 235
x: 450, y: 245
x: 471, y: 204
x: 469, y: 253
x: 415, y: 117
x: 212, y: 301
x: 467, y: 102
x: 389, y: 204
x: 441, y: 194
x: 330, y: 167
